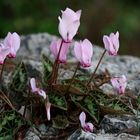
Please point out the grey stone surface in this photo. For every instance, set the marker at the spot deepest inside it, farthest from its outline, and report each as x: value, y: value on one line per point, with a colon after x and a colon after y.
x: 34, y: 45
x: 116, y: 124
x: 82, y: 135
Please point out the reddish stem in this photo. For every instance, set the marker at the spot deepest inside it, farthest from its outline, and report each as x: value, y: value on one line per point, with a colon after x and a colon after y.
x: 92, y: 76
x: 56, y: 66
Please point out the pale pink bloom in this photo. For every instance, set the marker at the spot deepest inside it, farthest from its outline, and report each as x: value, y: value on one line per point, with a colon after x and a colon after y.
x: 48, y: 107
x: 55, y: 46
x: 119, y: 83
x: 87, y: 127
x: 111, y: 43
x: 69, y: 24
x: 83, y: 52
x: 36, y: 89
x: 4, y: 51
x: 12, y: 41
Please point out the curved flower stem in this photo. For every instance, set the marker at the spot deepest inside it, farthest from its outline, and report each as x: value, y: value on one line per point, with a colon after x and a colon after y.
x: 56, y: 66
x: 92, y: 76
x: 71, y: 81
x: 2, y: 69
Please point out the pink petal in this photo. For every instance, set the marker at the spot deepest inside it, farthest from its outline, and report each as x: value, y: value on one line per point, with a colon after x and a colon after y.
x: 48, y: 106
x: 13, y: 42
x: 55, y: 46
x: 82, y: 119
x: 70, y: 15
x: 119, y: 83
x: 78, y: 51
x: 78, y: 13
x: 33, y: 85
x: 69, y: 24
x: 7, y: 40
x: 4, y: 51
x: 63, y: 53
x: 87, y: 50
x: 54, y: 49
x: 108, y: 45
x: 16, y: 42
x: 62, y: 27
x: 83, y: 52
x: 72, y: 30
x: 123, y: 82
x: 42, y: 93
x: 115, y: 40
x: 89, y: 127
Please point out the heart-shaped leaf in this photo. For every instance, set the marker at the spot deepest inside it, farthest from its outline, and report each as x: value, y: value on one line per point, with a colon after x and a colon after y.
x: 47, y: 67
x: 19, y: 78
x: 87, y: 104
x: 57, y: 100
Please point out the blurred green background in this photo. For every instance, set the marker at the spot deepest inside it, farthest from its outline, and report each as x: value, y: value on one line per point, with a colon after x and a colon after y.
x: 99, y: 17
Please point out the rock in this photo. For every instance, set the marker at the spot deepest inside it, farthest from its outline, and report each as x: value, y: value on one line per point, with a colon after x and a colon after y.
x: 27, y: 112
x: 34, y: 45
x: 122, y: 136
x: 82, y: 135
x: 30, y: 135
x: 116, y: 124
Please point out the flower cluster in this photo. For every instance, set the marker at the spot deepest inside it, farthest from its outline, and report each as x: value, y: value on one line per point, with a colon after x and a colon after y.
x: 69, y: 23
x: 83, y: 50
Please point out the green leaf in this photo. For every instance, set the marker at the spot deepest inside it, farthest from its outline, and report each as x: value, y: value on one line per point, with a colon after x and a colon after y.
x: 19, y: 78
x: 110, y: 104
x: 47, y: 67
x: 57, y: 100
x: 9, y: 123
x: 87, y: 104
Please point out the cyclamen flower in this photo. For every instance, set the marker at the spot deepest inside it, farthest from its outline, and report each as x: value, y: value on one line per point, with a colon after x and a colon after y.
x: 83, y: 52
x: 87, y: 127
x: 111, y: 43
x: 12, y: 41
x: 69, y: 24
x: 4, y: 51
x: 55, y: 46
x: 119, y: 83
x: 37, y: 90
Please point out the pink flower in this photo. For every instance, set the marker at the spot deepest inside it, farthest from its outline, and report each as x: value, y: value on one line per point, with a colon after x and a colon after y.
x: 37, y: 90
x: 48, y: 107
x: 119, y: 83
x: 12, y: 41
x: 69, y: 24
x: 4, y: 51
x: 111, y: 43
x: 83, y: 52
x: 55, y: 46
x: 87, y: 127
